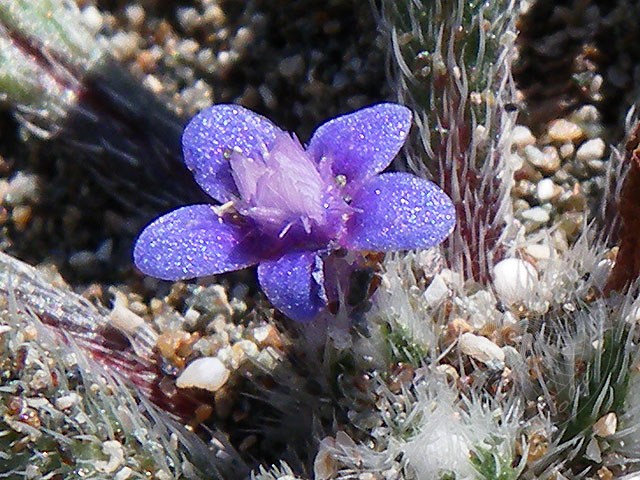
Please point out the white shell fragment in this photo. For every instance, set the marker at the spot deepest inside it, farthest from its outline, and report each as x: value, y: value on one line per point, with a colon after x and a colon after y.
x: 482, y: 349
x: 207, y: 373
x: 514, y: 280
x: 606, y: 425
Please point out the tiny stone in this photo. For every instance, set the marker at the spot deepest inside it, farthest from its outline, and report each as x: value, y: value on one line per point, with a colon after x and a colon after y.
x: 515, y: 161
x: 242, y: 40
x: 539, y: 251
x: 123, y: 474
x: 188, y: 18
x: 514, y: 279
x: 593, y: 451
x: 520, y: 205
x: 67, y: 401
x: 546, y: 190
x: 567, y: 150
x: 135, y: 15
x: 551, y: 160
x: 524, y: 189
x: 123, y: 318
x: 92, y: 18
x: 591, y: 149
x: 534, y: 155
x: 191, y: 316
x: 207, y: 373
x: 586, y: 114
x: 565, y: 131
x: 21, y: 216
x: 546, y: 159
x: 152, y: 83
x: 598, y: 166
x: 114, y: 450
x: 291, y: 66
x: 260, y: 334
x: 482, y: 349
x: 125, y: 45
x: 214, y: 15
x: 521, y: 136
x: 536, y: 214
x: 606, y: 425
x: 22, y: 188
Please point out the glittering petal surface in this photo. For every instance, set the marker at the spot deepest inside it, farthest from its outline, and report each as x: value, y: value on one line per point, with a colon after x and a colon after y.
x: 189, y: 242
x: 293, y: 284
x: 398, y: 211
x: 364, y: 142
x: 218, y: 129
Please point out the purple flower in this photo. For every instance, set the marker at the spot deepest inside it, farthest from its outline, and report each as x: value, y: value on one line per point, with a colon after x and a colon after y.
x: 286, y: 208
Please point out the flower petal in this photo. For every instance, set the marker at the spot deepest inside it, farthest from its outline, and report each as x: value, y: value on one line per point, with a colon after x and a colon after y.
x: 190, y: 242
x: 364, y: 142
x: 294, y: 284
x: 398, y: 211
x: 217, y: 130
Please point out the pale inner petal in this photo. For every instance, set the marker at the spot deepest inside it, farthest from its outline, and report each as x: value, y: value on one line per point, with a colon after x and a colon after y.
x: 283, y: 188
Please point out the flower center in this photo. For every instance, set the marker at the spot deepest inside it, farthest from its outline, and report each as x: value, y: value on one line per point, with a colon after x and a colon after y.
x: 283, y: 190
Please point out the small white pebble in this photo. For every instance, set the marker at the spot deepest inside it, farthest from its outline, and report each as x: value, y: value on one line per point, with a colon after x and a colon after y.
x: 534, y: 155
x: 152, y: 83
x: 591, y: 150
x: 521, y: 136
x: 121, y: 317
x: 566, y: 150
x: 539, y: 251
x: 564, y: 131
x: 536, y: 214
x: 22, y: 188
x: 606, y: 425
x: 482, y: 349
x: 242, y: 39
x: 135, y: 15
x: 514, y: 279
x: 125, y: 45
x: 586, y: 114
x: 92, y: 18
x: 123, y: 474
x: 207, y: 373
x: 67, y: 401
x: 113, y: 449
x: 546, y: 190
x: 188, y: 17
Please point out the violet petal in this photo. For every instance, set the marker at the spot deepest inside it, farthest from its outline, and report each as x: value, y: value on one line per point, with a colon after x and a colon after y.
x: 190, y: 242
x: 294, y: 284
x: 364, y: 142
x: 220, y: 129
x: 398, y: 211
